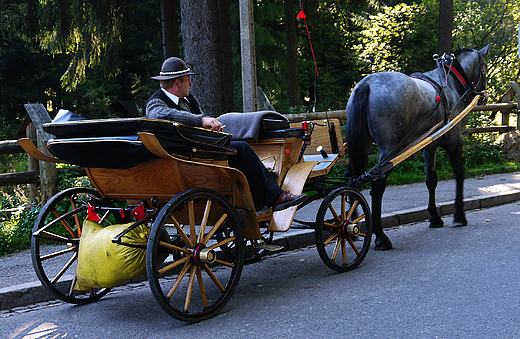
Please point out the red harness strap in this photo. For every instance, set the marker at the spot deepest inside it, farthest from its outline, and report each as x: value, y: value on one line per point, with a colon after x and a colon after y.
x: 457, y: 74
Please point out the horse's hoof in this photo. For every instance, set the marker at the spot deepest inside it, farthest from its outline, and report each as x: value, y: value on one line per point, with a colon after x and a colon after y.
x: 458, y: 223
x: 436, y: 225
x: 436, y: 222
x: 383, y: 244
x: 459, y: 220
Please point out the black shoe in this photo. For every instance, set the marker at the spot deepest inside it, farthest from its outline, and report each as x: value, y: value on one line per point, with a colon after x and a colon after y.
x: 286, y: 200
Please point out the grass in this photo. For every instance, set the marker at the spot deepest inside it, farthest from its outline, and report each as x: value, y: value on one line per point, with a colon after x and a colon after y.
x: 477, y: 161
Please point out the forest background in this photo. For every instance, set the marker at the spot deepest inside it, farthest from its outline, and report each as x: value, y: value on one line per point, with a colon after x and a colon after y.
x: 92, y: 57
x: 89, y: 56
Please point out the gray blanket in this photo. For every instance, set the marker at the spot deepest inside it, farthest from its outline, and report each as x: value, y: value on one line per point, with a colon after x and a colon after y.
x: 247, y: 126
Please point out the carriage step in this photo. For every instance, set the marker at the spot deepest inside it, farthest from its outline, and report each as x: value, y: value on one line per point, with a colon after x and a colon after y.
x: 270, y: 248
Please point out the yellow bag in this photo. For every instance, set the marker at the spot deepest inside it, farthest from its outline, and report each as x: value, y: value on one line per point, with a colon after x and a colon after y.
x: 102, y: 263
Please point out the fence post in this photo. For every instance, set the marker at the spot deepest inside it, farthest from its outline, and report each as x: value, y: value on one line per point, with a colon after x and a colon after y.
x: 48, y: 172
x: 34, y: 165
x: 506, y: 98
x: 48, y: 175
x: 515, y: 86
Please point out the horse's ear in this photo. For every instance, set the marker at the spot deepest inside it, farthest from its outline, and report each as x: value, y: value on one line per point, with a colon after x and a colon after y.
x: 458, y: 46
x: 485, y: 51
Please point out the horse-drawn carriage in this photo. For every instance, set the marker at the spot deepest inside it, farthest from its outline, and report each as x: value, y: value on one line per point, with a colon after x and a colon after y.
x: 165, y: 191
x: 168, y: 205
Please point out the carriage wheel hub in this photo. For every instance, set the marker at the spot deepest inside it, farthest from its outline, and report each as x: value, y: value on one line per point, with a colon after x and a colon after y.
x: 203, y: 255
x: 349, y: 229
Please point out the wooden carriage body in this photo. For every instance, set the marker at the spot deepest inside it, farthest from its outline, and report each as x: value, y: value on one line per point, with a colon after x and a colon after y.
x: 200, y: 216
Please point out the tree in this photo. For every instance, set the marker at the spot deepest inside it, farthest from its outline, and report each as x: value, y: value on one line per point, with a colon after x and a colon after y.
x: 445, y: 26
x: 170, y: 28
x: 200, y: 27
x: 226, y: 29
x: 399, y: 39
x: 292, y: 56
x: 478, y: 23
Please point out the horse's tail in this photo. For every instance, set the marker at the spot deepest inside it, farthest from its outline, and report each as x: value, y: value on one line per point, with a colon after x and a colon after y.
x: 357, y: 133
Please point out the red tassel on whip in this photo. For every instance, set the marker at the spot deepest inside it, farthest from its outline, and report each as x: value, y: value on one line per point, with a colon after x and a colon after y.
x: 302, y: 15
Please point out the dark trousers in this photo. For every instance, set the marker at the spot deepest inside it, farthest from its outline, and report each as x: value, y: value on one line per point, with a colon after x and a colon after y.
x: 264, y: 188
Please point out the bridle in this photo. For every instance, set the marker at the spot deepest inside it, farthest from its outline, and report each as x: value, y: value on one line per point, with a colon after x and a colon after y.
x: 449, y: 64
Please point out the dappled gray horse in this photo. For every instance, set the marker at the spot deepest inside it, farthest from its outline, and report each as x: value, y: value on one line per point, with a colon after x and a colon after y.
x: 395, y: 110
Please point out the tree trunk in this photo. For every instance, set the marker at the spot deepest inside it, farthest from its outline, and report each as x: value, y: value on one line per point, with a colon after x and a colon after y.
x: 445, y: 26
x: 292, y: 57
x: 224, y: 11
x: 201, y: 42
x: 170, y: 29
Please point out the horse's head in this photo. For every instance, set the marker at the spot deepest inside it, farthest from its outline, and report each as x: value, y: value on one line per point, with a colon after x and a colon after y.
x: 475, y: 67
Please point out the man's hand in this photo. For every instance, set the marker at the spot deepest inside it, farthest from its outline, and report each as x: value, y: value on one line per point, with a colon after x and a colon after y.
x: 212, y: 124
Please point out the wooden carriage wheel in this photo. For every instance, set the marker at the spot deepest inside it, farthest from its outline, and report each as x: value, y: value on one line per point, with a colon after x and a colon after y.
x: 197, y: 279
x: 343, y: 229
x: 55, y: 243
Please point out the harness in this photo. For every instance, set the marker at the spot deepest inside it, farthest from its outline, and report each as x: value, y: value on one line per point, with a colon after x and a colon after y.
x: 447, y: 64
x: 440, y: 94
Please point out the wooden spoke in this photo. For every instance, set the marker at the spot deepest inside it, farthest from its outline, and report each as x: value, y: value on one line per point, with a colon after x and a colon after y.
x: 191, y: 213
x: 201, y: 287
x: 181, y: 232
x: 354, y: 247
x: 214, y: 228
x: 55, y: 254
x: 59, y: 218
x: 223, y: 242
x: 225, y: 263
x: 213, y: 277
x: 330, y: 225
x: 179, y: 279
x: 173, y: 265
x: 333, y: 211
x: 65, y: 268
x: 175, y: 248
x: 204, y: 220
x: 332, y: 237
x: 104, y: 217
x: 73, y: 282
x: 189, y: 292
x: 343, y: 208
x: 336, y: 248
x: 352, y: 209
x: 57, y: 237
x: 76, y: 216
x: 65, y: 224
x: 358, y: 219
x: 344, y: 250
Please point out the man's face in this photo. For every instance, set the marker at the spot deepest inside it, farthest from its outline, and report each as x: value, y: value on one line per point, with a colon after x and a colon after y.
x: 183, y: 84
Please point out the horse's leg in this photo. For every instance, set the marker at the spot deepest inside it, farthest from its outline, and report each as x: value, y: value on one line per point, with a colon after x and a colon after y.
x: 382, y: 241
x: 431, y: 183
x: 455, y: 156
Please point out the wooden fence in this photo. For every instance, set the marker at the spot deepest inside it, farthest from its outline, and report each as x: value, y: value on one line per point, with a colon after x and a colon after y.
x: 42, y: 176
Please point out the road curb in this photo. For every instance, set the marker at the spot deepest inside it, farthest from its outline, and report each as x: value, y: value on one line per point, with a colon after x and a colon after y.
x: 13, y: 297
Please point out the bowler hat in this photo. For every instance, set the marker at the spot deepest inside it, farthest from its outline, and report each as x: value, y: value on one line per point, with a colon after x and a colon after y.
x: 173, y: 68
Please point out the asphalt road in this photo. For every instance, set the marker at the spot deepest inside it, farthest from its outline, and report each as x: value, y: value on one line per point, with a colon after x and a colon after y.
x: 453, y: 282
